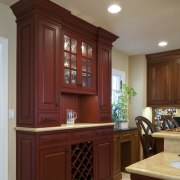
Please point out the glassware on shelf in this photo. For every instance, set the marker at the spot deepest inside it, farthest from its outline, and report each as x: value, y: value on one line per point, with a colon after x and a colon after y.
x: 84, y: 64
x: 73, y: 61
x: 84, y: 80
x: 66, y: 59
x: 89, y: 80
x: 66, y: 76
x: 73, y: 77
x: 73, y: 45
x: 89, y: 67
x: 89, y: 51
x: 84, y: 49
x: 66, y: 43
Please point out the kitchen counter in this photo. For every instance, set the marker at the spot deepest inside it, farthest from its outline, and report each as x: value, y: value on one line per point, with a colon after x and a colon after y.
x: 64, y: 127
x: 127, y: 129
x: 157, y: 166
x: 170, y: 134
x: 171, y: 139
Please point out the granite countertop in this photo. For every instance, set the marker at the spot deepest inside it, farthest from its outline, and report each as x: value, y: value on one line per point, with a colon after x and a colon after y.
x: 127, y: 129
x: 64, y: 127
x: 171, y: 134
x: 157, y: 166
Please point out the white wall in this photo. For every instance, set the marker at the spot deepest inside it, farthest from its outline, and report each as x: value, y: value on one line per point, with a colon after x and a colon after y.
x: 120, y: 62
x: 8, y: 30
x: 138, y: 80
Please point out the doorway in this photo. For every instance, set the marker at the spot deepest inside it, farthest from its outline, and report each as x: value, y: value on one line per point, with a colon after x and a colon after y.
x: 3, y: 109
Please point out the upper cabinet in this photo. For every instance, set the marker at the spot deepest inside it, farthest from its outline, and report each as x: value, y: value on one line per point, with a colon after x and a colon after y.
x: 78, y: 65
x: 163, y: 77
x: 61, y: 61
x: 38, y: 58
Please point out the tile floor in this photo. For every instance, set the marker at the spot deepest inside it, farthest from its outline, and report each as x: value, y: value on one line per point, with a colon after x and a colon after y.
x: 125, y: 176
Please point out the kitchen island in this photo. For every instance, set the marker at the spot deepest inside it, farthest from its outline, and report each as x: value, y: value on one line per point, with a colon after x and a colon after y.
x: 171, y: 139
x: 156, y: 167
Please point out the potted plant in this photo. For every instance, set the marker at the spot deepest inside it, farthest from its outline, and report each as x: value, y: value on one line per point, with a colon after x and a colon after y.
x: 120, y: 105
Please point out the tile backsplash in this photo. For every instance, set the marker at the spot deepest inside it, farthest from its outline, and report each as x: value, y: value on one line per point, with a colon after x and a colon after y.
x: 162, y: 111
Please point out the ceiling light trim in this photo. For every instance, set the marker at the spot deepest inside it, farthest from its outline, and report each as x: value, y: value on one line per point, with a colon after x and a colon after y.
x: 162, y: 44
x: 114, y: 8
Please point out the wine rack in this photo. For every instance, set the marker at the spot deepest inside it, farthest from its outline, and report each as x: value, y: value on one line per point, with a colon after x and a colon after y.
x: 82, y: 161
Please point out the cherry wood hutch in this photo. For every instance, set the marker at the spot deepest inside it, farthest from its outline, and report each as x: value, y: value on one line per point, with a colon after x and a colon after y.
x: 63, y: 63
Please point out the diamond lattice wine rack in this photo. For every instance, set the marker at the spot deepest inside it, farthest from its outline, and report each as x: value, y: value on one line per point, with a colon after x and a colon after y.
x: 82, y: 161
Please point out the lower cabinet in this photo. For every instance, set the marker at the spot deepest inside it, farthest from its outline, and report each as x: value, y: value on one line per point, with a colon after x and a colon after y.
x: 126, y: 150
x: 103, y: 160
x: 116, y: 157
x: 54, y: 163
x: 80, y: 154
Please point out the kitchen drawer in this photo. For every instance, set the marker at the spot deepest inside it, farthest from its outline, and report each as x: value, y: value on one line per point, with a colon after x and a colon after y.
x: 82, y: 134
x: 125, y: 137
x: 54, y: 139
x: 104, y: 132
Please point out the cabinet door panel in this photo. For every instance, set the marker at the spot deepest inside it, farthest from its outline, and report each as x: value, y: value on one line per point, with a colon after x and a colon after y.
x: 55, y: 164
x: 49, y: 41
x: 48, y: 74
x: 25, y: 81
x: 176, y: 82
x: 116, y: 157
x: 104, y: 84
x: 26, y: 156
x: 103, y: 159
x: 135, y: 148
x: 159, y: 84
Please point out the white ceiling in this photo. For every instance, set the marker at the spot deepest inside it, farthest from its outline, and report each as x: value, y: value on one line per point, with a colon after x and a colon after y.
x: 140, y: 25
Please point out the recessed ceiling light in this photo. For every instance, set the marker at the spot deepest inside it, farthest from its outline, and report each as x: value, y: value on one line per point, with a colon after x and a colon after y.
x: 114, y: 8
x: 163, y: 43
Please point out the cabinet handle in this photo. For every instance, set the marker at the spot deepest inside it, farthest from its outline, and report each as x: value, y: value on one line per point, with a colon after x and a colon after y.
x: 56, y: 139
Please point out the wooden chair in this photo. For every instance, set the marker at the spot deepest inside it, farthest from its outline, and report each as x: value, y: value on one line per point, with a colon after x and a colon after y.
x: 168, y: 122
x: 145, y: 129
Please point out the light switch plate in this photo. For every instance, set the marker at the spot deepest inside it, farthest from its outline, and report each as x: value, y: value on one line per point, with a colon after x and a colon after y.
x: 11, y: 113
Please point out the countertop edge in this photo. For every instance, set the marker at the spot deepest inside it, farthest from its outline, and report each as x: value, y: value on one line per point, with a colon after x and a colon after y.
x: 151, y: 174
x: 135, y: 168
x: 168, y: 135
x: 64, y: 127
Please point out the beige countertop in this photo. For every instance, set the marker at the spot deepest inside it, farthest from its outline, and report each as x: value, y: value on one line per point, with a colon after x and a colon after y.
x: 64, y: 127
x: 157, y: 166
x: 171, y: 134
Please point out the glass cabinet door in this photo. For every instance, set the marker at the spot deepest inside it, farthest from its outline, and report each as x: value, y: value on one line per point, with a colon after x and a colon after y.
x: 78, y: 65
x: 70, y: 60
x: 87, y: 60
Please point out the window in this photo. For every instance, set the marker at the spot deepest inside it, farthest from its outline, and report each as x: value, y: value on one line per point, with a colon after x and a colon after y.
x: 118, y: 78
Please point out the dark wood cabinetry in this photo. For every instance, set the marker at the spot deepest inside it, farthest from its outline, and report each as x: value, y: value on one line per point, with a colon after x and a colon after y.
x: 79, y: 65
x: 65, y: 154
x: 63, y: 63
x: 38, y: 73
x: 47, y: 77
x: 162, y: 79
x: 54, y: 163
x: 104, y: 74
x: 126, y: 150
